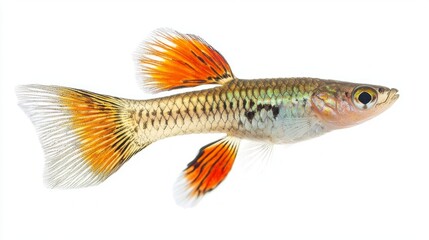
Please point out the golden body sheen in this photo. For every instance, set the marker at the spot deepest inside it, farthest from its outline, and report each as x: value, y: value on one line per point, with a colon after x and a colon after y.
x: 273, y: 110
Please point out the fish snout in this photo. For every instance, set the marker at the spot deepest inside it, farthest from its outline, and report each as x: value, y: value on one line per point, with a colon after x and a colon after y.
x: 387, y: 96
x: 393, y: 94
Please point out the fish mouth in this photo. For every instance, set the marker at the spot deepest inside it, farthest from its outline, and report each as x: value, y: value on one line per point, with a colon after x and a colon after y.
x: 392, y: 96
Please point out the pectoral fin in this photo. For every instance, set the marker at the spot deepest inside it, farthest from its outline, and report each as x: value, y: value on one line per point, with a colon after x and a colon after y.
x: 206, y: 171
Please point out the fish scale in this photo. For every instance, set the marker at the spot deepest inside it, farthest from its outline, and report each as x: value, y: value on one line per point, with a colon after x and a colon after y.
x: 251, y: 109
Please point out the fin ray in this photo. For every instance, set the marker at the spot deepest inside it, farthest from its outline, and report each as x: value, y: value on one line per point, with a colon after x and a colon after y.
x: 209, y: 168
x: 171, y: 60
x: 85, y: 136
x: 257, y: 155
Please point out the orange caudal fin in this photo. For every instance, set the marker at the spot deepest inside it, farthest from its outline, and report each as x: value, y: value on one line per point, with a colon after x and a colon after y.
x: 171, y: 60
x: 206, y: 171
x: 86, y: 136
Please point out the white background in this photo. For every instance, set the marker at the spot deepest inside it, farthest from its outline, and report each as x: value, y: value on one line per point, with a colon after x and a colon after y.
x: 367, y: 182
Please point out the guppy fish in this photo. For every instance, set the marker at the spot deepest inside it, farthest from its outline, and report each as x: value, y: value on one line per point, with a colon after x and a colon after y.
x: 88, y: 136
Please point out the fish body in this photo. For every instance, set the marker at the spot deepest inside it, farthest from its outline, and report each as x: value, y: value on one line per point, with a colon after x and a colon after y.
x: 88, y: 136
x: 264, y: 109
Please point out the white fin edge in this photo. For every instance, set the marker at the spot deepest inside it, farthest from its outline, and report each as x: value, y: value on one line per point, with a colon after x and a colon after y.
x: 64, y: 166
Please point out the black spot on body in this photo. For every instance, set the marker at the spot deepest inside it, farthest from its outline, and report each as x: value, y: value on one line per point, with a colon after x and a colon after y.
x: 267, y: 107
x: 275, y: 110
x: 304, y: 102
x: 250, y: 115
x: 251, y: 103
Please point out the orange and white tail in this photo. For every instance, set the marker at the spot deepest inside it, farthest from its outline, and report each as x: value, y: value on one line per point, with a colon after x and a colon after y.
x: 86, y: 136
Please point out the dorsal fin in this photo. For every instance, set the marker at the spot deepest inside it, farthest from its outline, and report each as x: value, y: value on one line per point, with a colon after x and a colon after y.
x: 171, y: 60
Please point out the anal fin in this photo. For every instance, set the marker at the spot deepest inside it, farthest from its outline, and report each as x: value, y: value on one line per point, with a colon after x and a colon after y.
x: 206, y: 171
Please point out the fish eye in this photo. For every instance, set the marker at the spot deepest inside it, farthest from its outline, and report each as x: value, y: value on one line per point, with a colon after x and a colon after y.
x: 364, y: 97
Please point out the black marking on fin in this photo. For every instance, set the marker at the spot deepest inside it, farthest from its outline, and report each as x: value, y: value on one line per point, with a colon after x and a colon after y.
x: 194, y: 81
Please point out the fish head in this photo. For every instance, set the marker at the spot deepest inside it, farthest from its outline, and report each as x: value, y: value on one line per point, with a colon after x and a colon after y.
x: 342, y: 104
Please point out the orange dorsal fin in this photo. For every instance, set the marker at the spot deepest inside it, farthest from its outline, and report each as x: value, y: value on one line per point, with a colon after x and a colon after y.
x: 171, y: 60
x: 207, y: 170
